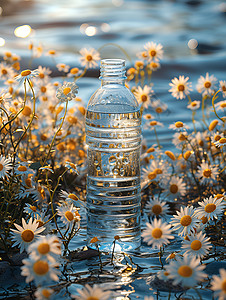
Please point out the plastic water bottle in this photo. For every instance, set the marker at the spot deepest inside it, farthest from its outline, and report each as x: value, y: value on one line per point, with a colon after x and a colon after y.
x: 113, y: 137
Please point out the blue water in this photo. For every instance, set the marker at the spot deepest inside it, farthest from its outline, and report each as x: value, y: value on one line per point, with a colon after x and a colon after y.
x: 129, y: 24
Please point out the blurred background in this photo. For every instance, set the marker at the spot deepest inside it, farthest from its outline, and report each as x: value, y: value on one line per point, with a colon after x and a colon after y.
x: 185, y: 28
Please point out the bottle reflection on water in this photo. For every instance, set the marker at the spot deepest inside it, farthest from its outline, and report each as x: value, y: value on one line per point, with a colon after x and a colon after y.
x: 113, y: 136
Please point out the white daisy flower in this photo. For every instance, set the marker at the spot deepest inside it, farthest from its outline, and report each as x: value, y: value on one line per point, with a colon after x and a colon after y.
x: 42, y: 219
x: 95, y: 292
x: 43, y: 293
x: 221, y: 142
x: 210, y: 208
x: 163, y: 275
x: 223, y: 88
x: 5, y: 166
x: 5, y: 98
x: 72, y: 167
x: 157, y: 234
x: 206, y: 85
x: 157, y: 208
x: 197, y: 245
x: 63, y: 67
x: 154, y: 66
x: 46, y: 247
x: 158, y: 106
x: 41, y: 271
x: 67, y: 92
x: 25, y: 235
x: 180, y: 139
x: 218, y: 285
x: 221, y: 105
x: 158, y: 168
x: 69, y: 215
x: 174, y: 188
x: 32, y: 210
x: 194, y: 105
x: 74, y: 72
x: 207, y: 173
x: 154, y: 51
x: 69, y: 198
x: 143, y: 95
x: 185, y: 221
x: 179, y: 126
x: 22, y: 168
x: 89, y: 58
x: 151, y: 125
x: 186, y: 271
x: 201, y: 139
x: 44, y: 74
x: 180, y: 87
x: 26, y: 75
x: 6, y: 72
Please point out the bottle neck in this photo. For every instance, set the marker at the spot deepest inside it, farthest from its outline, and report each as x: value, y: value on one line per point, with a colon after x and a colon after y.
x: 112, y: 71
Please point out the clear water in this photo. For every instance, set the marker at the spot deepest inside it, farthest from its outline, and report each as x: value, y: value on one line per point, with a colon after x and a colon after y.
x: 113, y: 183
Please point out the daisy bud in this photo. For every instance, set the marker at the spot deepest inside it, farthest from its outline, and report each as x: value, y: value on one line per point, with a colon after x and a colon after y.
x: 213, y: 124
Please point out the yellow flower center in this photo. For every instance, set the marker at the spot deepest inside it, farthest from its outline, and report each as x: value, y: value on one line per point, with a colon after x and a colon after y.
x: 182, y: 137
x: 144, y: 98
x: 201, y: 143
x: 181, y: 87
x: 154, y: 65
x: 166, y: 273
x: 179, y: 124
x: 207, y: 173
x: 69, y: 215
x: 89, y: 57
x: 22, y: 168
x: 43, y: 248
x: 152, y: 53
x: 218, y: 196
x: 193, y: 104
x: 186, y: 220
x: 4, y: 72
x: 170, y: 154
x: 74, y: 71
x: 153, y: 123
x: 152, y: 149
x: 204, y: 220
x: 52, y: 52
x: 223, y: 105
x: 1, y: 167
x: 26, y: 111
x: 222, y: 141
x: 213, y: 124
x: 196, y: 245
x: 73, y: 197
x: 25, y: 73
x: 185, y: 271
x: 156, y: 209
x: 41, y: 75
x: 93, y: 298
x: 72, y: 120
x: 187, y: 154
x: 82, y: 110
x: 223, y: 286
x: 43, y: 89
x: 94, y: 240
x: 158, y: 171
x: 66, y: 91
x: 207, y: 84
x: 158, y: 110
x: 41, y: 267
x: 43, y: 137
x: 27, y: 235
x: 152, y: 175
x: 157, y: 233
x: 210, y: 208
x: 217, y: 137
x: 46, y: 293
x: 173, y: 188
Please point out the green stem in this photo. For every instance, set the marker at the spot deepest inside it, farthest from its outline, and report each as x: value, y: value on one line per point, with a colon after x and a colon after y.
x: 51, y: 145
x: 213, y: 99
x: 203, y: 110
x: 157, y: 138
x: 193, y: 120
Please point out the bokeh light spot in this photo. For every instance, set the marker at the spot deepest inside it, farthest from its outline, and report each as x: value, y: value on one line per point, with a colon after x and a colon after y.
x: 22, y: 31
x: 90, y: 30
x: 192, y: 44
x: 2, y: 42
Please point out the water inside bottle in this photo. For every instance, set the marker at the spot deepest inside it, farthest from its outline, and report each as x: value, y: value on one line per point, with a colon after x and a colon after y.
x: 113, y: 183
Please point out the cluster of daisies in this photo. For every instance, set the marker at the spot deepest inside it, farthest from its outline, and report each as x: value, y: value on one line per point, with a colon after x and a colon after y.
x: 43, y: 133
